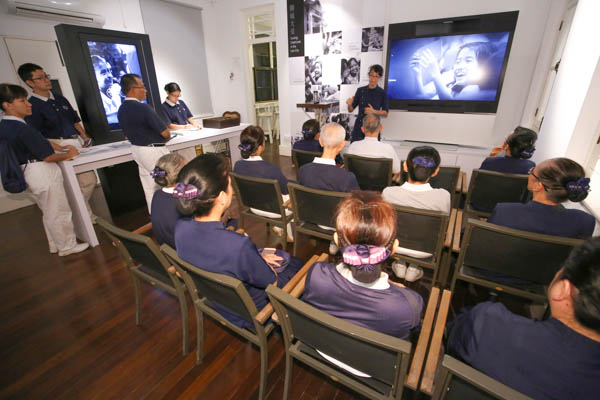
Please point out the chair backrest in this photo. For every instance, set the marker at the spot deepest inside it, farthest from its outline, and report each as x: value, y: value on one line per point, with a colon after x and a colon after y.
x: 487, y: 188
x: 383, y: 357
x: 529, y: 256
x: 260, y: 193
x: 421, y: 230
x: 227, y: 291
x: 447, y: 178
x: 458, y: 381
x: 314, y: 206
x: 137, y: 249
x: 371, y: 173
x: 301, y: 157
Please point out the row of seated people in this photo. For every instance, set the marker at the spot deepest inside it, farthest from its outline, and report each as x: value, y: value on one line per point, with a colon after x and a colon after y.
x: 556, y: 358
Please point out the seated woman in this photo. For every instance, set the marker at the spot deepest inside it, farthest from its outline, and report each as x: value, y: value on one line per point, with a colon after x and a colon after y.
x: 164, y: 214
x: 519, y: 147
x: 552, y: 182
x: 357, y: 290
x: 204, y: 193
x: 252, y: 145
x: 311, y: 131
x: 176, y: 112
x: 422, y: 163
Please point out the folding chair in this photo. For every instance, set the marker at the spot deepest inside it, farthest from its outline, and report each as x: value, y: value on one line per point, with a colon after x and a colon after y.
x: 488, y: 188
x: 371, y: 173
x: 301, y: 157
x: 448, y: 178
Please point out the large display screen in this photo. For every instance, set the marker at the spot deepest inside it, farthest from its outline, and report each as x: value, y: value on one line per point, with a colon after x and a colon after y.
x: 110, y: 62
x: 458, y: 67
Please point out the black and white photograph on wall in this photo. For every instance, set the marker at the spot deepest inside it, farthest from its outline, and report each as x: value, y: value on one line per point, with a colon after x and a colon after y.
x: 372, y: 39
x: 332, y: 42
x: 313, y: 70
x: 345, y: 120
x: 350, y: 70
x: 330, y: 94
x: 313, y: 17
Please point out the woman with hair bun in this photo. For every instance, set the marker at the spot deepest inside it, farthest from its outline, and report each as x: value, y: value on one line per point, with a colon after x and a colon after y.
x: 552, y: 182
x: 357, y: 290
x: 176, y: 112
x: 204, y: 193
x: 252, y: 145
x: 519, y: 146
x: 163, y: 213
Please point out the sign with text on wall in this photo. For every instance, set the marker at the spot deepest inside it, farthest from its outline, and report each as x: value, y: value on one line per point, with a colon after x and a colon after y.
x: 295, y: 17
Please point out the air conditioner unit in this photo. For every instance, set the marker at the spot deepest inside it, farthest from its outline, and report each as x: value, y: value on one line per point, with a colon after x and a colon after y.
x: 72, y: 11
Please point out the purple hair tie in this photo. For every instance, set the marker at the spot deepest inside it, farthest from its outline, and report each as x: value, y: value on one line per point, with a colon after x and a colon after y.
x: 424, y: 162
x: 158, y: 172
x: 245, y: 146
x: 579, y: 186
x: 528, y: 152
x: 365, y: 256
x: 183, y: 191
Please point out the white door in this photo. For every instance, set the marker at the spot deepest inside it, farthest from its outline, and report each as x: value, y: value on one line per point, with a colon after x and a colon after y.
x: 45, y: 54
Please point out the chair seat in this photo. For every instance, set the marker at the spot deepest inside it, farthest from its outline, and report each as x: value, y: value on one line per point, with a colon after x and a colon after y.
x: 516, y: 283
x: 156, y: 275
x: 316, y: 228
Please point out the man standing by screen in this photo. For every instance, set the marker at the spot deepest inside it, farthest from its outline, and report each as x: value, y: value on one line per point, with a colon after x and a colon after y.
x: 145, y: 130
x: 55, y: 118
x: 370, y: 99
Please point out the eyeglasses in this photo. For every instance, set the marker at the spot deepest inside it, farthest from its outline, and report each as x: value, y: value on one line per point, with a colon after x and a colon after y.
x: 374, y: 76
x: 537, y: 178
x: 41, y: 78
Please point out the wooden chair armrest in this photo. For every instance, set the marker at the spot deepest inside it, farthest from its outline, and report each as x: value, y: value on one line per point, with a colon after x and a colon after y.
x: 457, y: 231
x: 143, y: 229
x: 459, y: 183
x: 465, y: 186
x: 419, y: 356
x: 433, y: 357
x: 450, y: 230
x: 299, y: 278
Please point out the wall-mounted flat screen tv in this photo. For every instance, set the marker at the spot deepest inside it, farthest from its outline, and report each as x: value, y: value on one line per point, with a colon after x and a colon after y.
x: 451, y: 65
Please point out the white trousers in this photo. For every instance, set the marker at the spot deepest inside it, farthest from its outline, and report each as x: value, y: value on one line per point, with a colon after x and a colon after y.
x: 146, y: 158
x: 45, y: 183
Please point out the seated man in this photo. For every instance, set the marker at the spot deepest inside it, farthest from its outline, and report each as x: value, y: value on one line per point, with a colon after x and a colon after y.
x: 558, y: 358
x: 421, y: 165
x: 322, y: 173
x: 371, y: 147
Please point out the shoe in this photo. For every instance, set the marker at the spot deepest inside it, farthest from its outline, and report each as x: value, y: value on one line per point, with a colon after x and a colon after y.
x: 333, y: 248
x: 399, y: 269
x: 414, y: 273
x: 78, y: 248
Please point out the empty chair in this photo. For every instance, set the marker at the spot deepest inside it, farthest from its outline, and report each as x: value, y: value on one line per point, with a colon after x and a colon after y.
x: 488, y: 188
x: 371, y: 173
x: 530, y: 260
x: 145, y: 262
x: 264, y: 119
x: 262, y: 194
x: 309, y: 333
x: 314, y: 210
x: 458, y: 381
x: 301, y: 157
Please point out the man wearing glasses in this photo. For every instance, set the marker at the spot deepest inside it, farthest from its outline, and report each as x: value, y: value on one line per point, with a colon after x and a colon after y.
x: 370, y: 99
x: 110, y: 92
x: 145, y: 130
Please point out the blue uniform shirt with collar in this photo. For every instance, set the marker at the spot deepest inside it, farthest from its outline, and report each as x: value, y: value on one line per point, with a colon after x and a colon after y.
x: 54, y: 118
x: 164, y: 216
x: 140, y: 123
x: 262, y: 169
x: 507, y: 165
x: 364, y: 96
x: 26, y: 142
x: 176, y: 114
x: 327, y: 177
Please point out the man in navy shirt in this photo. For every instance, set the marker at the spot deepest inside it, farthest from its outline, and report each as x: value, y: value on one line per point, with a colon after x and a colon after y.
x: 54, y: 117
x: 145, y: 130
x: 558, y: 358
x: 370, y: 99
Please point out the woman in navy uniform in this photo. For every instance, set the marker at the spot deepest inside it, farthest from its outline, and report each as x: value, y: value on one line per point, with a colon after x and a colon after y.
x: 519, y: 147
x: 204, y: 193
x: 176, y: 112
x: 43, y: 177
x: 370, y: 99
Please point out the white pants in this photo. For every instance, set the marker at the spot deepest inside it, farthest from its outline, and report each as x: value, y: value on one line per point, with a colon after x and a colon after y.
x: 285, y: 197
x: 146, y: 158
x: 45, y: 183
x: 87, y: 180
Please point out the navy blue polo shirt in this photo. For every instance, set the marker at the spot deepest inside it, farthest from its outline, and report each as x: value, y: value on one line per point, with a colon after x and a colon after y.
x: 211, y: 247
x: 262, y: 169
x: 542, y: 359
x: 164, y: 216
x: 54, y: 118
x: 140, y: 124
x: 327, y: 177
x: 364, y: 96
x: 26, y: 142
x: 544, y: 218
x: 177, y: 114
x: 507, y: 165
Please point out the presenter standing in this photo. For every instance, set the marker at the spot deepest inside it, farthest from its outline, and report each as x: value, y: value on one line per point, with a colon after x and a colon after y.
x: 54, y: 117
x: 144, y: 129
x: 178, y: 114
x: 370, y: 99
